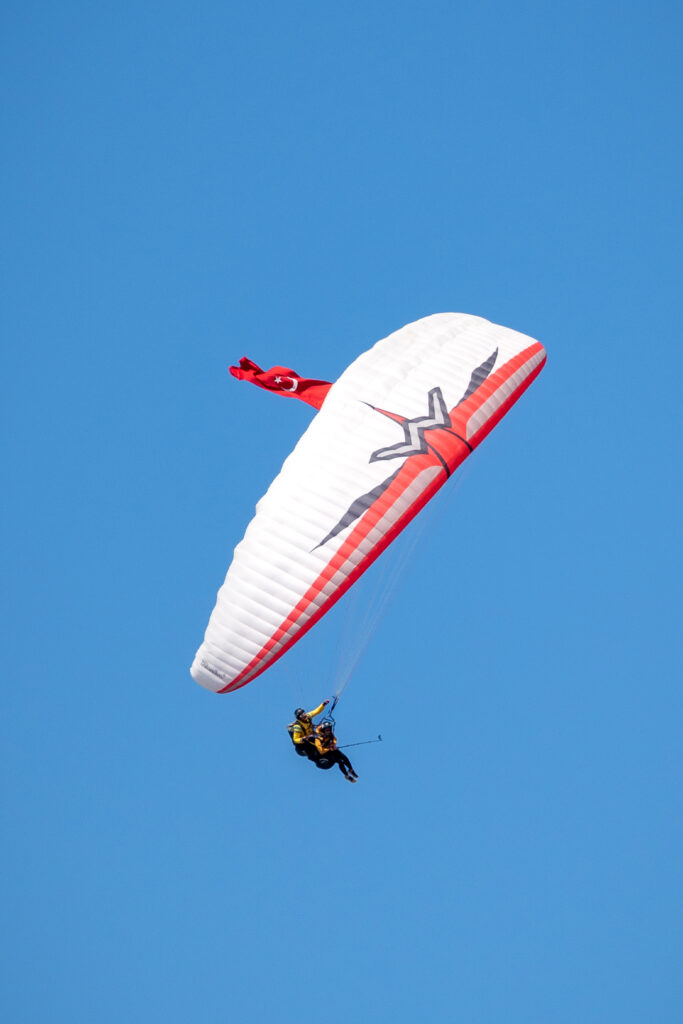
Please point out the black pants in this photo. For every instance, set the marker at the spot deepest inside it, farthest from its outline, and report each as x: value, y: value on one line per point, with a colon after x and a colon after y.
x: 331, y: 757
x: 307, y: 748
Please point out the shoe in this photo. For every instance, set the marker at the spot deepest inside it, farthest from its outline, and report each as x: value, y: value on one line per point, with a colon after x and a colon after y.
x: 351, y: 777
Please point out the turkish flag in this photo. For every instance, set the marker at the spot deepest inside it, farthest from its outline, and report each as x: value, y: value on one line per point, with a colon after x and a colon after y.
x: 284, y: 381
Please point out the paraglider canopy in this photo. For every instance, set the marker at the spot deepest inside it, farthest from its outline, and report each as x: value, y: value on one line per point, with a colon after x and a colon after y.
x: 390, y: 432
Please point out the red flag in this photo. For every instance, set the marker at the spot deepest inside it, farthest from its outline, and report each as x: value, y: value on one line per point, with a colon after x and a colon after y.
x: 284, y: 381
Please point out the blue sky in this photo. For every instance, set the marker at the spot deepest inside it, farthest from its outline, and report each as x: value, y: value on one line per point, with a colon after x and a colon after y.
x: 185, y: 184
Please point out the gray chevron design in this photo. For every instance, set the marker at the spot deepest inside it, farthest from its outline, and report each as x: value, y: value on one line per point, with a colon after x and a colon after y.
x: 413, y: 443
x: 414, y: 430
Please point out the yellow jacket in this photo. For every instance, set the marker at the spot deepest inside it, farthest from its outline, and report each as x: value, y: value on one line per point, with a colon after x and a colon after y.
x: 299, y: 731
x: 325, y: 745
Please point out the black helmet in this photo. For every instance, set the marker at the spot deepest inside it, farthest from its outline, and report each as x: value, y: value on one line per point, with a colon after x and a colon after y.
x: 326, y: 724
x: 298, y: 712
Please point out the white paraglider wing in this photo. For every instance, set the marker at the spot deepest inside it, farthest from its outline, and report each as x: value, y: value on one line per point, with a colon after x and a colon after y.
x: 391, y: 431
